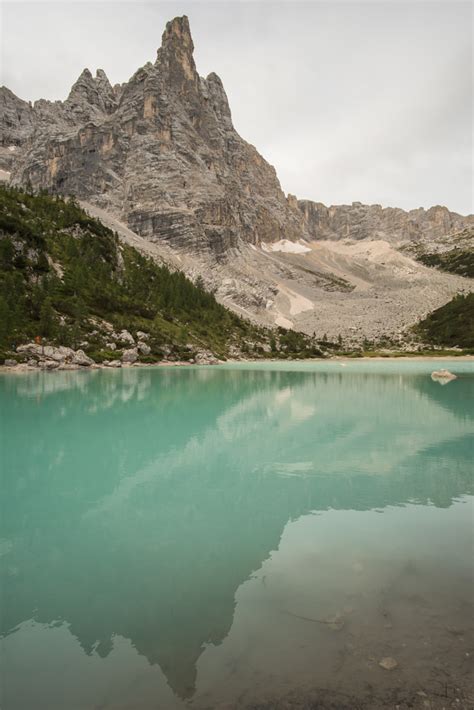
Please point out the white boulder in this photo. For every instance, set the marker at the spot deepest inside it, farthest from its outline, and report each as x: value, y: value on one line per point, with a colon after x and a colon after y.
x: 443, y: 376
x: 80, y: 358
x: 130, y: 356
x: 126, y: 337
x: 144, y: 348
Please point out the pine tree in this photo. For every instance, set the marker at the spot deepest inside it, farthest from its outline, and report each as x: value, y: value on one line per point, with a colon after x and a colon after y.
x: 48, y: 322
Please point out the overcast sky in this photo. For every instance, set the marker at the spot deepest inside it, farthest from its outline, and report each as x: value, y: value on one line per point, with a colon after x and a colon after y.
x: 368, y: 101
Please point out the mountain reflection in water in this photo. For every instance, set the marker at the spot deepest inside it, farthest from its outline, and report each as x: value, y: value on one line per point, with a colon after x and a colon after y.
x: 136, y: 504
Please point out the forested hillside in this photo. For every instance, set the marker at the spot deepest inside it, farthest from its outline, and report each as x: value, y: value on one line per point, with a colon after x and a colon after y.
x: 451, y: 325
x: 66, y: 278
x: 455, y: 261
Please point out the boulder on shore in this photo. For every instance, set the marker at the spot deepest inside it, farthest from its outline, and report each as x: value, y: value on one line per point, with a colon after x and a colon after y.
x: 80, y: 358
x: 130, y: 356
x: 126, y: 337
x: 205, y: 357
x: 49, y: 364
x: 61, y: 355
x: 144, y: 348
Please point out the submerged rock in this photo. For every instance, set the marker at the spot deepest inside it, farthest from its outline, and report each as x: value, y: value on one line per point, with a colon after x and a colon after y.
x: 388, y: 663
x: 336, y: 622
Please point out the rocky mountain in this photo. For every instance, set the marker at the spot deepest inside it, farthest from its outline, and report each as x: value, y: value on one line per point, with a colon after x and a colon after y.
x: 358, y: 221
x: 159, y: 160
x: 160, y: 151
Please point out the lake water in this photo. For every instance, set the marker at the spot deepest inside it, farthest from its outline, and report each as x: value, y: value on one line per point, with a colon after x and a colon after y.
x: 248, y: 536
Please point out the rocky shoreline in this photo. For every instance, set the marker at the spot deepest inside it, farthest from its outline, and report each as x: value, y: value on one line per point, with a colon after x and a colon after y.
x: 124, y: 349
x: 51, y: 365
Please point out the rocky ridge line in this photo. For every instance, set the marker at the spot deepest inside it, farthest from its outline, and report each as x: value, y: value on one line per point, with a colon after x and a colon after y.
x: 161, y: 153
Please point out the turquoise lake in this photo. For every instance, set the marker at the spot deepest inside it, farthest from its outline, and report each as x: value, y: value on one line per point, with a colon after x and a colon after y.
x: 239, y: 536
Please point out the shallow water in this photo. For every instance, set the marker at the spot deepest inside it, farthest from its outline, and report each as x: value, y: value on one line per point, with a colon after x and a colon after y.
x: 224, y: 537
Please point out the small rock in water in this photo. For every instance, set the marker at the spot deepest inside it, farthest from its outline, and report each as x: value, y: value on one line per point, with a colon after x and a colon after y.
x: 335, y: 622
x: 388, y: 663
x: 443, y: 376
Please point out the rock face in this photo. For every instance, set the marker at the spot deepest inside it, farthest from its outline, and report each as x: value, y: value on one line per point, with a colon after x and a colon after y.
x: 358, y: 221
x: 16, y: 125
x: 160, y: 151
x: 16, y: 119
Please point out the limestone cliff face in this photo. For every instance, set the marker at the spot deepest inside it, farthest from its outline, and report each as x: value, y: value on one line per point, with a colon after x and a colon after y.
x: 16, y: 124
x: 16, y: 119
x: 358, y: 221
x: 161, y: 152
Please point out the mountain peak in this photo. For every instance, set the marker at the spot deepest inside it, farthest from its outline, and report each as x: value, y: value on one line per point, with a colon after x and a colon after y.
x: 176, y: 51
x: 178, y: 29
x: 89, y: 91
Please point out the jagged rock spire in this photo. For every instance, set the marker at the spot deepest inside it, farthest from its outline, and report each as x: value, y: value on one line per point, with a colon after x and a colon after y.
x: 175, y: 56
x: 83, y: 86
x: 96, y: 92
x: 101, y: 80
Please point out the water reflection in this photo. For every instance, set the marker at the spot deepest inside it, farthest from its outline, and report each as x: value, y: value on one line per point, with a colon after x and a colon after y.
x: 136, y: 503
